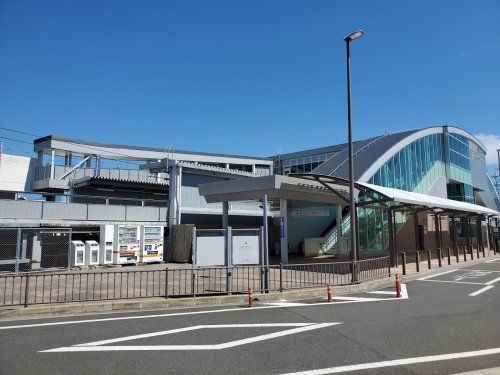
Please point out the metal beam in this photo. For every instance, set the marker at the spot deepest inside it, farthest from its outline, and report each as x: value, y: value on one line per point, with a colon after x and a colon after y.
x: 75, y: 167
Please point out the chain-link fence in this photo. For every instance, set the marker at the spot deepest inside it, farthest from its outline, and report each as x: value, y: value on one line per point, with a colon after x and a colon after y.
x: 26, y: 249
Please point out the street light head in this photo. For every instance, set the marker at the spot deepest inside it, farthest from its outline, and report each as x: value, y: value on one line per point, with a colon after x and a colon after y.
x: 353, y: 36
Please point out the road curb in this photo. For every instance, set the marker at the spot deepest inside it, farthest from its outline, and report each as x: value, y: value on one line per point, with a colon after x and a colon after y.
x: 171, y: 303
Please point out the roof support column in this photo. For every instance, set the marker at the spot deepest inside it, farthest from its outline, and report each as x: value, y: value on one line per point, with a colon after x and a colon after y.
x: 39, y: 166
x: 225, y: 215
x: 97, y: 170
x: 392, y: 248
x: 479, y: 231
x: 467, y: 235
x: 453, y: 233
x: 175, y: 183
x: 52, y: 164
x: 488, y: 234
x: 416, y: 230
x: 340, y: 242
x: 265, y: 244
x: 437, y: 230
x: 284, y: 231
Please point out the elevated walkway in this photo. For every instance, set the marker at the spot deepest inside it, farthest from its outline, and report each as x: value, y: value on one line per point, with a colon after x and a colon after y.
x: 57, y: 209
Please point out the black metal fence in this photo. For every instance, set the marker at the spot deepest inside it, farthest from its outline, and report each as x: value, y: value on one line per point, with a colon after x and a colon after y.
x: 33, y: 288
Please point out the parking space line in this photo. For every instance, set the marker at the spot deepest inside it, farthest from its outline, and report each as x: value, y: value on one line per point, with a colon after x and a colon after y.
x: 383, y: 292
x: 404, y: 291
x: 492, y: 281
x: 96, y: 347
x: 489, y: 271
x: 456, y: 282
x: 436, y: 275
x: 166, y: 315
x: 398, y: 362
x: 481, y: 290
x: 193, y: 328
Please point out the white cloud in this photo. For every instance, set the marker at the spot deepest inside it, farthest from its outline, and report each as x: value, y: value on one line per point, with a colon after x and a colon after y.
x: 492, y: 143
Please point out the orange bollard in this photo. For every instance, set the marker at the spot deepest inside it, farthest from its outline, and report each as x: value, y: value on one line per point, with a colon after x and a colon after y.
x: 250, y: 297
x: 398, y: 287
x: 329, y: 293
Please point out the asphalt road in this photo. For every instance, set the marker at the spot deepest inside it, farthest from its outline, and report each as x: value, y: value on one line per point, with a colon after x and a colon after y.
x: 449, y: 323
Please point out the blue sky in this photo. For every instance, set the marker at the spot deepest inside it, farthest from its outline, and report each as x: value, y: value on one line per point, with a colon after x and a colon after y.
x: 245, y: 77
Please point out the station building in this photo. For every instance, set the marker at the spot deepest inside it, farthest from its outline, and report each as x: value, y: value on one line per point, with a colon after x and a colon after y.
x: 82, y: 186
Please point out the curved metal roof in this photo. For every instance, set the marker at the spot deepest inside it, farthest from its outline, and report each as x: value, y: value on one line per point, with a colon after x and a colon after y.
x: 371, y: 153
x: 365, y: 154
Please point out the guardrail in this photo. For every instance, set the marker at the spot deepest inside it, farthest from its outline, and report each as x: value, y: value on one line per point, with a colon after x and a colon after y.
x: 33, y: 288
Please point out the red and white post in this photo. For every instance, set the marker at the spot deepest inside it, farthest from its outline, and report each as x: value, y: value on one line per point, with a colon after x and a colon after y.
x: 250, y: 297
x: 329, y: 293
x: 398, y: 287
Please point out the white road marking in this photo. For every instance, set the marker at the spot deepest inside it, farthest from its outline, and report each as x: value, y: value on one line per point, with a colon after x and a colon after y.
x: 404, y: 292
x: 492, y: 281
x: 398, y: 362
x: 455, y: 282
x: 166, y: 315
x: 436, y: 275
x: 492, y: 261
x: 284, y: 304
x: 193, y: 328
x: 383, y: 292
x: 358, y: 299
x: 488, y: 271
x: 96, y: 346
x: 479, y: 291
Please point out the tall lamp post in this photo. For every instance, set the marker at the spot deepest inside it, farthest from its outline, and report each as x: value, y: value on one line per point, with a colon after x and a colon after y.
x: 352, y: 209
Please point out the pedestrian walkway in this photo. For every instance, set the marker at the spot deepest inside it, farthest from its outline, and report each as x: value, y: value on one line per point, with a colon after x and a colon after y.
x: 448, y: 259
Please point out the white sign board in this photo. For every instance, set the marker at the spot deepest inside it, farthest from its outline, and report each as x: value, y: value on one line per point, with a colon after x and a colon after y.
x: 246, y: 250
x: 322, y: 212
x: 210, y: 251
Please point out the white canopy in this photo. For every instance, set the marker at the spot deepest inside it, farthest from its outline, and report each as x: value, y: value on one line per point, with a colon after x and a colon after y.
x: 429, y: 201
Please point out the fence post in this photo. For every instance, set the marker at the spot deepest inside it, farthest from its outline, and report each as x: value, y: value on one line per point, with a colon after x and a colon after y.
x: 429, y: 255
x: 166, y: 283
x: 457, y: 254
x: 484, y: 252
x: 403, y: 262
x: 465, y: 253
x: 70, y: 237
x: 193, y: 277
x: 18, y: 250
x: 471, y: 252
x: 398, y: 287
x: 281, y: 277
x: 440, y: 256
x: 417, y: 260
x: 477, y: 250
x: 449, y: 256
x: 26, y: 291
x: 229, y: 260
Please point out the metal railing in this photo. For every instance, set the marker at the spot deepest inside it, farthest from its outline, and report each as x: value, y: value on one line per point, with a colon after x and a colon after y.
x: 34, y: 288
x: 85, y: 198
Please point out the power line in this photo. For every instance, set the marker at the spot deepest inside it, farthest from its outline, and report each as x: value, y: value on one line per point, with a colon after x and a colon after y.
x: 16, y: 140
x: 90, y: 147
x: 18, y: 132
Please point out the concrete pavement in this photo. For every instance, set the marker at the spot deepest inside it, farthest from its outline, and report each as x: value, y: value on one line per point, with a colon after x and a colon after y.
x: 439, y: 329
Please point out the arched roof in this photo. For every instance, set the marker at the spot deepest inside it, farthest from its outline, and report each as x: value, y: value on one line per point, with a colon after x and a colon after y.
x: 371, y: 154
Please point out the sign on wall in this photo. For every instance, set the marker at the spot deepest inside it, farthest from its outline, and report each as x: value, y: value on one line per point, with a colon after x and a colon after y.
x: 246, y: 250
x: 210, y: 251
x: 320, y: 212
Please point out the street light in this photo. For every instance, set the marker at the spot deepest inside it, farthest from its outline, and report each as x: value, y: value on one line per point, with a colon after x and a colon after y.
x: 354, y: 225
